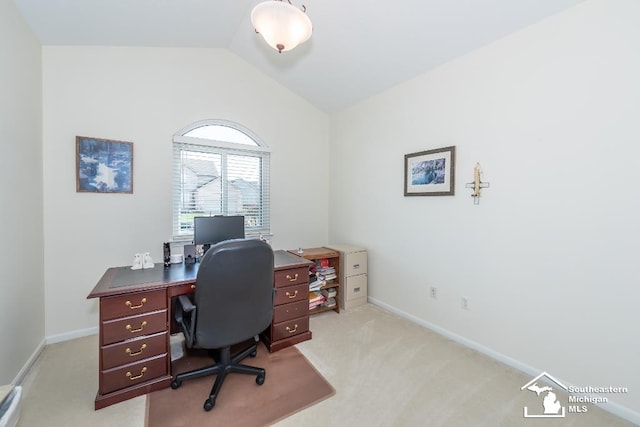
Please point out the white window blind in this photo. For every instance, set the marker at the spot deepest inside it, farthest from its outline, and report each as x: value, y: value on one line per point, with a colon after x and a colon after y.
x: 219, y: 168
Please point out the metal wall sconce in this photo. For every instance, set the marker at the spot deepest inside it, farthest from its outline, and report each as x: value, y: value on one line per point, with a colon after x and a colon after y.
x: 477, y: 184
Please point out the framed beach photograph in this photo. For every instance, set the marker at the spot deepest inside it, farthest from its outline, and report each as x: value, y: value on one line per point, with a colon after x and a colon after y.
x: 103, y: 166
x: 430, y: 173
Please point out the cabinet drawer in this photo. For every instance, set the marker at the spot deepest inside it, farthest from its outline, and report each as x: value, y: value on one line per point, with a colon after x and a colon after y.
x: 134, y: 350
x: 132, y: 374
x: 356, y: 287
x: 355, y: 263
x: 294, y: 276
x: 290, y: 328
x: 291, y: 294
x: 130, y: 304
x: 133, y: 326
x: 286, y: 312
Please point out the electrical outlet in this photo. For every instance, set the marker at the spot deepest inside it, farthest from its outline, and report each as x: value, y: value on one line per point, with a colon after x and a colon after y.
x: 464, y: 303
x: 434, y: 292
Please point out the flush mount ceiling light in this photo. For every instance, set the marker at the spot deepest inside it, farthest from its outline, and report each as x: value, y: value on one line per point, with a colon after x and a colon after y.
x: 282, y: 25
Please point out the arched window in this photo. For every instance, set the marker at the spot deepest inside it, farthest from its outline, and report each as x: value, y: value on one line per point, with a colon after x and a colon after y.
x: 219, y: 168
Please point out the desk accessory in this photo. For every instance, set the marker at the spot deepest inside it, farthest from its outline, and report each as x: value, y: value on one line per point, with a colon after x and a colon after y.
x: 166, y: 248
x: 147, y: 262
x: 137, y: 262
x: 141, y: 261
x: 189, y: 254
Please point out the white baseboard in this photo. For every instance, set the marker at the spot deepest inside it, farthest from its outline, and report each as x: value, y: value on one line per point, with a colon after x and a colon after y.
x: 25, y: 368
x: 10, y: 410
x: 52, y: 339
x: 611, y: 407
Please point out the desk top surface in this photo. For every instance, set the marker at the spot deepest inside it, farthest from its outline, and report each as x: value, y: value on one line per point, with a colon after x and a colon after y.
x: 120, y: 280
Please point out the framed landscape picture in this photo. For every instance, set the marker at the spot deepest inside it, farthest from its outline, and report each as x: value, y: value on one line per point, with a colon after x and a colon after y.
x: 430, y: 173
x: 103, y: 165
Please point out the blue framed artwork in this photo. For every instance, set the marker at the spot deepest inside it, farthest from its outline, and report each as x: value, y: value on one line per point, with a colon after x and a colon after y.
x: 430, y: 173
x: 103, y: 166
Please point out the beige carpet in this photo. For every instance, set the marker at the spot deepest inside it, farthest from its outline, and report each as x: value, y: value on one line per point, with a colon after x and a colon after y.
x: 291, y: 384
x: 386, y: 371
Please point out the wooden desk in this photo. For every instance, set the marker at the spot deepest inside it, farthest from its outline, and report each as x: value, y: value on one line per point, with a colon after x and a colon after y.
x: 135, y: 322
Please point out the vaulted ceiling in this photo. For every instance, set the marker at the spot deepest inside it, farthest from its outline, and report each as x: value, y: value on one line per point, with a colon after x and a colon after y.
x: 358, y: 47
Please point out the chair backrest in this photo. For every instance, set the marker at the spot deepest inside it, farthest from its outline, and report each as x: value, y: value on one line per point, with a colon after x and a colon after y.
x: 234, y: 292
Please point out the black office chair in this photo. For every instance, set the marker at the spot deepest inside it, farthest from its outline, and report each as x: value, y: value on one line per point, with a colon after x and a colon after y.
x: 233, y: 303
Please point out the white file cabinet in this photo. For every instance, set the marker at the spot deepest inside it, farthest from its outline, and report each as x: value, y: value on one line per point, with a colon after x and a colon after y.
x: 353, y: 275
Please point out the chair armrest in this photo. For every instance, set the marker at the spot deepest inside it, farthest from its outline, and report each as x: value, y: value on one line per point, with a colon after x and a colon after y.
x: 185, y: 316
x: 186, y: 304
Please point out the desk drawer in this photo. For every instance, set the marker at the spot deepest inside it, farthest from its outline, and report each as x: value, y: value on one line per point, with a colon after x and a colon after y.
x: 290, y: 328
x: 291, y: 294
x: 294, y: 276
x: 286, y: 312
x: 187, y: 289
x: 134, y: 350
x: 133, y: 326
x: 132, y: 374
x: 133, y: 303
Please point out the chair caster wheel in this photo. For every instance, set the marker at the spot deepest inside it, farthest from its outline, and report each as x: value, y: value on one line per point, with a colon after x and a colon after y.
x: 260, y: 379
x: 175, y: 384
x: 208, y: 404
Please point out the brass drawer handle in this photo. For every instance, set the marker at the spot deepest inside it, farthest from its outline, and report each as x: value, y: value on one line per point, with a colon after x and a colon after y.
x: 137, y: 330
x: 291, y: 331
x: 193, y: 286
x: 295, y: 294
x: 292, y: 279
x: 132, y: 353
x: 133, y: 307
x: 132, y: 378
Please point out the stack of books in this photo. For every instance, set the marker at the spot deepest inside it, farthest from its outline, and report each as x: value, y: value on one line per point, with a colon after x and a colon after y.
x: 330, y: 297
x: 316, y: 299
x: 324, y: 271
x: 321, y: 274
x: 316, y: 284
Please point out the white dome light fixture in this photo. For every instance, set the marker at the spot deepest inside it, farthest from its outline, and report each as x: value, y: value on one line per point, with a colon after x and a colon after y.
x: 282, y: 25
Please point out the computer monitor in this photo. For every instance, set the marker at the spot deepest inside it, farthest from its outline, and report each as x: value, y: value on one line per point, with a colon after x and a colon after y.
x: 209, y: 230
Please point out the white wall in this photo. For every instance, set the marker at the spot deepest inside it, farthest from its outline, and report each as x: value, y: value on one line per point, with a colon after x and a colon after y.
x: 548, y: 259
x: 145, y: 95
x: 21, y: 255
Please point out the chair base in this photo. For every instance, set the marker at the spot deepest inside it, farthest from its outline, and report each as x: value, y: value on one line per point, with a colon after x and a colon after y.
x: 225, y: 365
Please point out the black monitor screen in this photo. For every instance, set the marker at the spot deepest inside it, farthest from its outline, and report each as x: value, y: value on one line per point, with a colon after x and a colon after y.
x: 209, y: 230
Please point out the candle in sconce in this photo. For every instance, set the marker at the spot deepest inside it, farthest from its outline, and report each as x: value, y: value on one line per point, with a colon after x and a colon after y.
x: 476, y: 180
x: 477, y: 184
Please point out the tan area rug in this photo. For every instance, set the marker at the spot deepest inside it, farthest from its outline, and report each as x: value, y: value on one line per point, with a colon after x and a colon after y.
x: 291, y: 385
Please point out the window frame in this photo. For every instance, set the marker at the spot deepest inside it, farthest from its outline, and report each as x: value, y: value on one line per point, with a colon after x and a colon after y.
x: 225, y: 148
